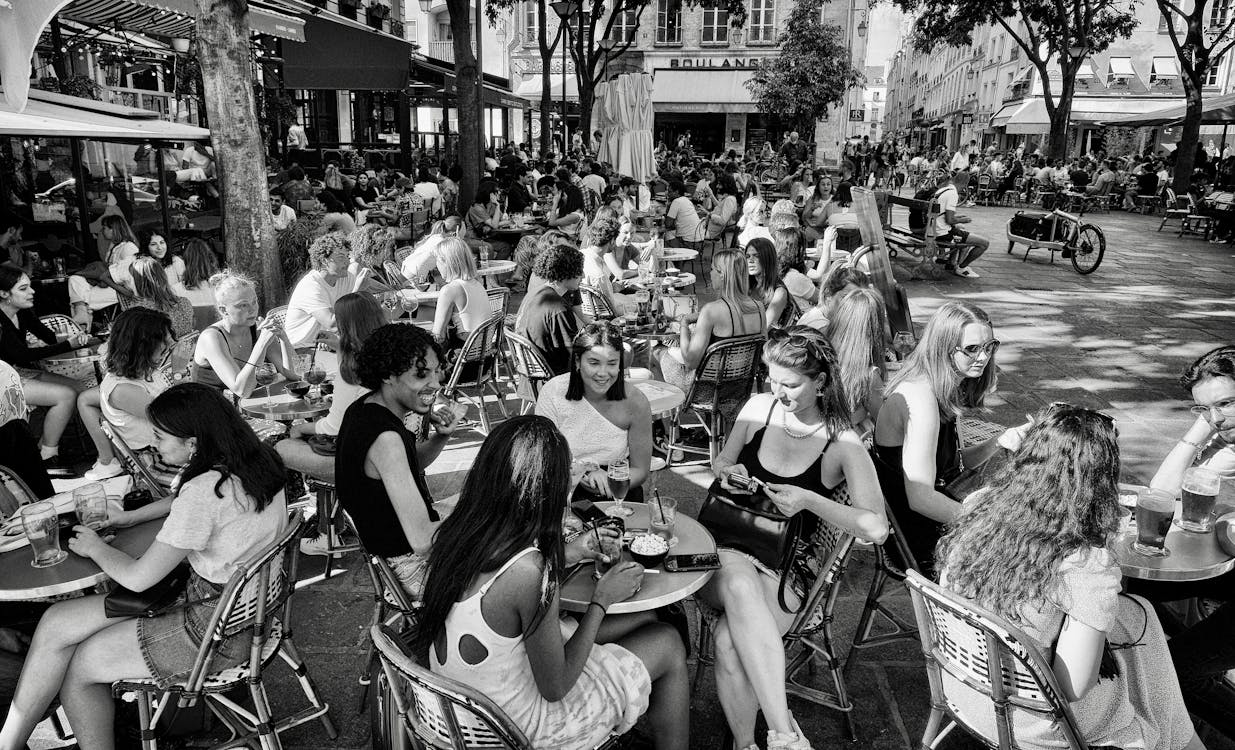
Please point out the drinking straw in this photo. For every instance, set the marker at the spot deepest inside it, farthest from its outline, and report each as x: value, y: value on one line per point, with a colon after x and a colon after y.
x: 659, y: 507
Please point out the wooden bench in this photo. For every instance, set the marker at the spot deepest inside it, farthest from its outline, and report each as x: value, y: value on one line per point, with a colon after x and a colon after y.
x: 923, y: 246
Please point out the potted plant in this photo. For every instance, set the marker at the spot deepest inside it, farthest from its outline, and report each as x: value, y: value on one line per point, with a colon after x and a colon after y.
x: 376, y: 13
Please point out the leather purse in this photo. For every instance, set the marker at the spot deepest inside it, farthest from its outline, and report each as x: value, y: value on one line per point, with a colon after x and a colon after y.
x: 160, y: 598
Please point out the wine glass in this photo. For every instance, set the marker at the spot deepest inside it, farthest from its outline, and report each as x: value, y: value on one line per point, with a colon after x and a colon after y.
x: 409, y: 301
x: 902, y: 343
x: 265, y: 374
x: 619, y: 485
x: 314, y: 377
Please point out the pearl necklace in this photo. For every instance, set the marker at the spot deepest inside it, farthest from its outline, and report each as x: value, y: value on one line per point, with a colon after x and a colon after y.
x: 784, y: 425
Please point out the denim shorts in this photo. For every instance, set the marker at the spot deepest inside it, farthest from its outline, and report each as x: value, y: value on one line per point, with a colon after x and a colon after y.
x: 411, y: 570
x: 170, y: 641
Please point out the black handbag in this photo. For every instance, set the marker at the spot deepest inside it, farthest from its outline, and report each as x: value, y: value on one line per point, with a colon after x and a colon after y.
x: 160, y: 598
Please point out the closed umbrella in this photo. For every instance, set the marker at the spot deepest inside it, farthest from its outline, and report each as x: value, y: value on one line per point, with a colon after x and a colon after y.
x: 629, y: 104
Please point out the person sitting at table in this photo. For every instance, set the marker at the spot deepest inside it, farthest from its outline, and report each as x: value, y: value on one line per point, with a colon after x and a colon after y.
x: 733, y: 314
x: 20, y: 451
x: 798, y: 440
x: 1203, y: 652
x: 765, y: 284
x: 601, y: 267
x: 566, y: 214
x: 363, y: 194
x: 547, y: 314
x: 336, y: 217
x: 427, y: 188
x: 566, y: 685
x: 519, y: 194
x: 839, y: 278
x: 683, y: 227
x: 229, y: 506
x: 857, y: 331
x: 379, y: 464
x: 200, y: 263
x: 603, y: 418
x: 56, y: 392
x: 463, y: 305
x: 310, y: 310
x: 421, y: 264
x: 756, y: 214
x: 372, y: 246
x: 484, y: 217
x: 97, y: 286
x: 1055, y: 505
x: 228, y: 352
x: 791, y: 258
x: 724, y: 216
x: 154, y: 245
x: 151, y: 290
x: 918, y: 451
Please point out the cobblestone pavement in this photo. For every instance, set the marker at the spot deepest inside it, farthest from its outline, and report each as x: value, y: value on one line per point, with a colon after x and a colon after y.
x: 1116, y: 340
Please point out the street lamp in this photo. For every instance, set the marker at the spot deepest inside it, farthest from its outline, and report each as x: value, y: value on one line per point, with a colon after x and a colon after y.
x: 565, y: 10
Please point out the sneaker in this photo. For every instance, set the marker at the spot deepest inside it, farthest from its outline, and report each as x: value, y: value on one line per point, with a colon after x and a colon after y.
x: 55, y: 466
x: 788, y: 740
x: 318, y: 545
x: 101, y: 471
x: 966, y: 273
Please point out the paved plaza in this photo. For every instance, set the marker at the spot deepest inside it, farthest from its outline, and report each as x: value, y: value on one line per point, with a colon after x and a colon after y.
x: 1116, y: 340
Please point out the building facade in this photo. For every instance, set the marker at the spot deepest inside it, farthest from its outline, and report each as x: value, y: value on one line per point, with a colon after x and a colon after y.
x: 989, y: 93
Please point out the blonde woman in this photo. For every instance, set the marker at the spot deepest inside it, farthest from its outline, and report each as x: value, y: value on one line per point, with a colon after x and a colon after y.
x: 228, y: 352
x: 733, y: 314
x: 857, y: 332
x: 463, y: 299
x: 152, y: 290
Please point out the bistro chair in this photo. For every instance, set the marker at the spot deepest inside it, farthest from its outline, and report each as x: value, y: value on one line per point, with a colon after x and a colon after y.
x: 63, y: 325
x: 178, y: 361
x: 476, y: 368
x: 985, y: 194
x: 529, y: 367
x: 886, y: 569
x: 278, y: 315
x: 328, y: 509
x: 972, y: 650
x: 439, y: 712
x: 595, y: 303
x: 403, y: 253
x: 721, y: 385
x: 14, y: 492
x: 257, y: 601
x: 1175, y: 209
x: 133, y: 465
x: 1196, y: 222
x: 809, y: 639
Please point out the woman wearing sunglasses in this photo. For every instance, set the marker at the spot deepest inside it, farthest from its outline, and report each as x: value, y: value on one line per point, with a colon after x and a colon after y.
x: 917, y: 449
x: 797, y: 441
x: 1055, y: 504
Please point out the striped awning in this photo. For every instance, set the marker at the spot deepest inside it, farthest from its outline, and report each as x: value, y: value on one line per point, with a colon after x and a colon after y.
x: 174, y: 18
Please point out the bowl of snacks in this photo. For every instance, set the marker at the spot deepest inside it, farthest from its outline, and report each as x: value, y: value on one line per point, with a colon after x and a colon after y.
x: 649, y: 550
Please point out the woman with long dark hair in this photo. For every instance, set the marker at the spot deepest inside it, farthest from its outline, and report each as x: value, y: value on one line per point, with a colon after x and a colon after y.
x: 798, y: 441
x: 502, y: 549
x: 603, y: 420
x: 765, y: 283
x: 1054, y: 508
x: 228, y: 506
x: 154, y: 245
x: 98, y: 289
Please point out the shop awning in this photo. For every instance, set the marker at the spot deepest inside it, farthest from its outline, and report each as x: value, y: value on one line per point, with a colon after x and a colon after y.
x: 1101, y: 110
x: 174, y: 18
x: 1121, y: 66
x: 1002, y: 116
x: 531, y: 88
x: 702, y: 90
x: 346, y: 57
x: 1165, y: 66
x: 50, y: 115
x: 439, y: 73
x: 1216, y: 110
x: 1030, y: 118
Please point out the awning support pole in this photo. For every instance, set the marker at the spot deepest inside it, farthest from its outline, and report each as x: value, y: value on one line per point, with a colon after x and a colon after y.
x: 89, y: 246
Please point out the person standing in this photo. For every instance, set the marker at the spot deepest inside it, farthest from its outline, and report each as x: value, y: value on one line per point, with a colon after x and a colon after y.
x: 297, y: 138
x: 960, y: 168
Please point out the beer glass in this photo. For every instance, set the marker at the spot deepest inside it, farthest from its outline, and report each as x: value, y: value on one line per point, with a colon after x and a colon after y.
x: 1200, y: 490
x: 619, y: 485
x: 1154, y: 511
x: 90, y: 502
x: 43, y: 530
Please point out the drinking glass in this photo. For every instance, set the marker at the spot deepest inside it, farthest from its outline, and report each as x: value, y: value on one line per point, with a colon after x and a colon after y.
x: 90, y: 502
x: 484, y: 253
x: 265, y: 374
x: 409, y: 301
x: 662, y: 513
x: 1200, y: 491
x: 1154, y: 511
x: 610, y: 547
x: 314, y: 377
x: 42, y: 528
x: 619, y: 485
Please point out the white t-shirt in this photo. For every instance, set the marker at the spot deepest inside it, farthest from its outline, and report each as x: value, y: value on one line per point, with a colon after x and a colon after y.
x: 595, y: 182
x: 345, y: 394
x: 135, y: 429
x: 422, y: 261
x: 313, y: 294
x: 432, y: 195
x: 175, y: 275
x: 685, y: 219
x: 595, y: 272
x: 960, y: 160
x: 751, y: 232
x: 120, y: 261
x: 947, y: 198
x: 220, y: 532
x: 283, y: 219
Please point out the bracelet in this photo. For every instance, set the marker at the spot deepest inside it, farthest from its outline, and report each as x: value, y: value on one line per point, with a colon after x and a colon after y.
x: 603, y: 610
x: 1193, y: 443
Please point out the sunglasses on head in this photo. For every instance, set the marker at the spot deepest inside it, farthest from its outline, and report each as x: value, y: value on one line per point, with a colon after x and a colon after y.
x: 1080, y: 410
x: 812, y: 347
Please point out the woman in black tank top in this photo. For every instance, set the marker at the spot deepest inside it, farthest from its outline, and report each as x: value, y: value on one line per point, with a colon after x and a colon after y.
x: 798, y: 442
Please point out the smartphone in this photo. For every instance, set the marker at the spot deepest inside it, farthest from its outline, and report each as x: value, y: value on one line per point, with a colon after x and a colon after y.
x: 688, y: 563
x: 588, y: 512
x: 743, y: 482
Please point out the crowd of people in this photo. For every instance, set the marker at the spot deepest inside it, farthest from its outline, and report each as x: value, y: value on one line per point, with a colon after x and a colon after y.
x: 836, y: 412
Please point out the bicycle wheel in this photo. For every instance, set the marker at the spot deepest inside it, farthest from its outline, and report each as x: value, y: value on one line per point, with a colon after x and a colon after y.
x: 774, y: 173
x: 387, y: 730
x: 1088, y: 249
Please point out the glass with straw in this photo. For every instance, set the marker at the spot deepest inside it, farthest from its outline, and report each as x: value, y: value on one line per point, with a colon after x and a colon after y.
x: 662, y: 514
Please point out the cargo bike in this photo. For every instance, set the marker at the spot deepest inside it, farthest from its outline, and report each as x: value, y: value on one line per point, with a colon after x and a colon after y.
x: 1060, y: 232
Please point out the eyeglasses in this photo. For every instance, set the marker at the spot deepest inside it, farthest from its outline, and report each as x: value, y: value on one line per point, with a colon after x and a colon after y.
x: 973, y: 351
x: 1225, y: 408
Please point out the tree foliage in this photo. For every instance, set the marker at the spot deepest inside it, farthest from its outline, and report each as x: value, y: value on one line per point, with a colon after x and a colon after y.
x: 811, y: 73
x: 1045, y: 30
x: 1199, y: 47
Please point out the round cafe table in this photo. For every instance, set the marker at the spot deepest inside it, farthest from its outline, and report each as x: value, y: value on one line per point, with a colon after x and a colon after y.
x: 281, y: 406
x: 659, y: 589
x: 679, y: 253
x: 1194, y: 557
x: 88, y: 354
x: 494, y: 268
x: 21, y: 582
x: 664, y: 398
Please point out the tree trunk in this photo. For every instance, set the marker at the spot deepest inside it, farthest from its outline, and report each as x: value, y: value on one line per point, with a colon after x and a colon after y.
x: 546, y: 108
x: 1185, y: 154
x: 586, y: 96
x: 240, y: 161
x: 466, y: 73
x: 1057, y: 146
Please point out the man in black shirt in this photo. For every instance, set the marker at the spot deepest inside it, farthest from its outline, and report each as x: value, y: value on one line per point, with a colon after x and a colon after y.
x: 794, y: 150
x: 519, y: 196
x: 546, y: 316
x: 379, y: 472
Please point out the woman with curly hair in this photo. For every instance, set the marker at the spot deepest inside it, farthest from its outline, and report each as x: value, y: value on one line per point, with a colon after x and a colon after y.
x: 1054, y: 509
x: 546, y: 315
x: 790, y: 244
x: 372, y: 246
x: 917, y: 447
x: 797, y: 440
x: 857, y: 331
x: 600, y: 264
x: 310, y: 310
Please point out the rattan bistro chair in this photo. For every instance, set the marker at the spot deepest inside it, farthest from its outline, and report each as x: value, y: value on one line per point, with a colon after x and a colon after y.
x: 529, y: 366
x: 476, y: 368
x: 967, y: 646
x: 257, y: 601
x: 441, y: 713
x: 722, y: 384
